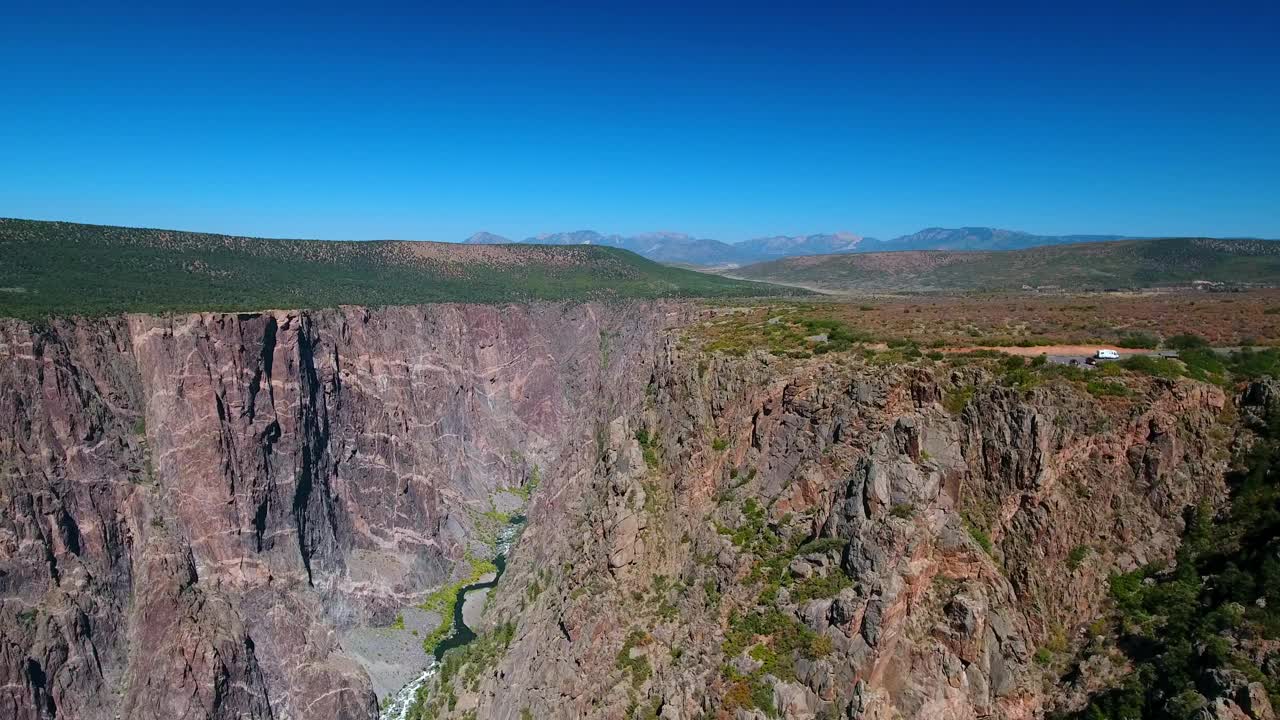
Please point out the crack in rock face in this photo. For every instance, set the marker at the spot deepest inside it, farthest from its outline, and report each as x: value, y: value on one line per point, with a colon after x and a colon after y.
x: 199, y: 506
x: 202, y: 509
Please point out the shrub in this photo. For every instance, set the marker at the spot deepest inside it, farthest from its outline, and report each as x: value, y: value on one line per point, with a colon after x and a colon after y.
x: 981, y: 537
x: 1186, y: 341
x: 648, y: 447
x: 1016, y: 373
x: 822, y: 545
x: 1067, y: 372
x: 788, y: 638
x: 817, y: 587
x: 1106, y: 388
x: 1251, y: 364
x: 1202, y: 363
x: 903, y: 510
x: 839, y: 336
x: 712, y: 591
x: 958, y: 399
x: 1077, y: 556
x: 638, y: 667
x: 753, y: 533
x: 1013, y: 362
x: 1152, y: 365
x: 749, y: 693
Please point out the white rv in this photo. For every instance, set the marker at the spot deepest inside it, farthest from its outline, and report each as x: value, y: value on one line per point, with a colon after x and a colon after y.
x: 1106, y: 355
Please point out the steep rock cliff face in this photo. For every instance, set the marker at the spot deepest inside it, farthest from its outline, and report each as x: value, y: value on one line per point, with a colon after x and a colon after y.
x: 827, y: 539
x: 194, y: 505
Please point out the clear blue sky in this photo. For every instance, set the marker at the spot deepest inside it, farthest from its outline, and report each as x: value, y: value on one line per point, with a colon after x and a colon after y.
x: 729, y: 121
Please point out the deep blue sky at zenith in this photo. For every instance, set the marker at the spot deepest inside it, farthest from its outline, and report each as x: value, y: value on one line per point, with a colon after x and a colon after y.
x: 726, y: 121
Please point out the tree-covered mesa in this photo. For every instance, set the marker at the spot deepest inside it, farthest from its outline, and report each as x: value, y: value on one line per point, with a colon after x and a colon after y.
x: 52, y: 268
x: 1206, y: 628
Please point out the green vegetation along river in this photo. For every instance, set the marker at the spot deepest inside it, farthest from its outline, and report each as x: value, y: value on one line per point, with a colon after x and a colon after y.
x: 459, y: 634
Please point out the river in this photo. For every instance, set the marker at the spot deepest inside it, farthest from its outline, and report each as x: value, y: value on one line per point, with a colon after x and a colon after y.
x: 460, y: 634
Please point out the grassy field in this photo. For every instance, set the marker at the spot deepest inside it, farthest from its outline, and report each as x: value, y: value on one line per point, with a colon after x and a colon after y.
x: 1125, y: 264
x: 53, y: 268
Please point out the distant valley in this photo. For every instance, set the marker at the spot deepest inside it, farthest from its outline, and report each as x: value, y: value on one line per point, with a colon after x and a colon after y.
x: 682, y: 249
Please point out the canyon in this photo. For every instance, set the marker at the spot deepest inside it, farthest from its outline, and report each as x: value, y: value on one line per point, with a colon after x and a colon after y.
x: 195, y: 505
x: 200, y: 507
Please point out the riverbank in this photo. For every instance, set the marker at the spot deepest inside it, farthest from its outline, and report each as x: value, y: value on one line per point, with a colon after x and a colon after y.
x: 467, y: 608
x: 391, y: 655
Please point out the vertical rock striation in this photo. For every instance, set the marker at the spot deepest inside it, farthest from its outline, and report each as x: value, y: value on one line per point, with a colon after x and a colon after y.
x: 195, y: 505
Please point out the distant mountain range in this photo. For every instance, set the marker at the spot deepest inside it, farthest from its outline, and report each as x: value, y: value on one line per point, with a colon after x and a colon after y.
x: 666, y: 247
x: 981, y: 238
x: 683, y: 249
